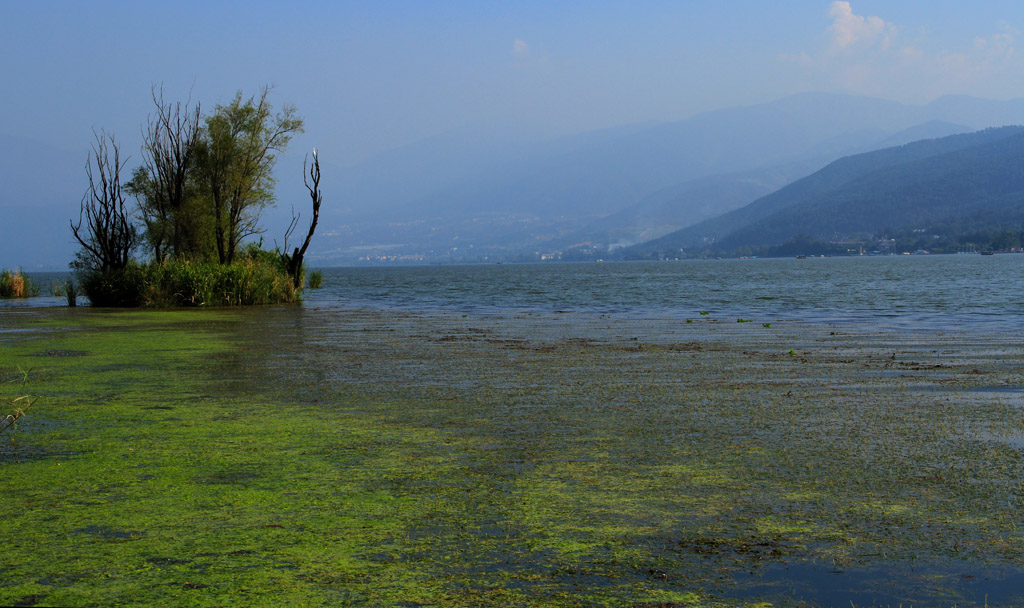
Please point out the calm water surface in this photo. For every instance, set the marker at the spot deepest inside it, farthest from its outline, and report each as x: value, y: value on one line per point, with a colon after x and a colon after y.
x: 950, y: 292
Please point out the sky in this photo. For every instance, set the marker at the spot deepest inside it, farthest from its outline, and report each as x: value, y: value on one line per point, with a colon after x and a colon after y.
x: 368, y: 77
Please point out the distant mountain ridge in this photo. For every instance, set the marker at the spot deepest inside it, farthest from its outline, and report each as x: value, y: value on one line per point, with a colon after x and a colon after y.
x: 920, y: 182
x: 704, y: 198
x: 652, y: 178
x: 589, y: 175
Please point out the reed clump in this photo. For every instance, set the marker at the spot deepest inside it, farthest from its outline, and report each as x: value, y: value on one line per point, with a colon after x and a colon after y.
x: 14, y: 284
x: 316, y: 279
x: 257, y: 277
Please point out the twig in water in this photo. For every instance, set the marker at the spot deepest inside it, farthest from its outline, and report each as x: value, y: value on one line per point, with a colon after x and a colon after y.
x: 8, y: 421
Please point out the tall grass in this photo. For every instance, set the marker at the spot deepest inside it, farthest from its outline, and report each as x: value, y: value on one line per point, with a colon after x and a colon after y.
x: 258, y: 277
x: 316, y: 279
x: 14, y: 284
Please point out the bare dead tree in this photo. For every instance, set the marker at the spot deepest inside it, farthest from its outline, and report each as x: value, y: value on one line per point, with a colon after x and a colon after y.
x: 169, y: 146
x: 293, y: 261
x: 104, y: 227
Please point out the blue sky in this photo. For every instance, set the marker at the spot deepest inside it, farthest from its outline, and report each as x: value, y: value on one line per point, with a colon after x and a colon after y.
x: 370, y: 76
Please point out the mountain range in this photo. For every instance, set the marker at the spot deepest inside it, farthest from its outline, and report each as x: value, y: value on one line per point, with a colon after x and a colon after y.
x: 606, y: 190
x: 914, y: 184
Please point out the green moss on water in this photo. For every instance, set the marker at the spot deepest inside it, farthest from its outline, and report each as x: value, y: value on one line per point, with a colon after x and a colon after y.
x: 289, y: 457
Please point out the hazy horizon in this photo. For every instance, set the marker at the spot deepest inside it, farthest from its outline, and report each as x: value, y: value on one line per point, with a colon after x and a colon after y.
x: 373, y: 78
x: 369, y: 78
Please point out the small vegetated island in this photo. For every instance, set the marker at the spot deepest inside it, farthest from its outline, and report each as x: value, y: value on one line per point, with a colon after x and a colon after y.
x: 198, y: 195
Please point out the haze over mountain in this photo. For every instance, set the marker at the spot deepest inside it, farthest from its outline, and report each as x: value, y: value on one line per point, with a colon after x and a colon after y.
x: 914, y: 185
x: 704, y: 198
x: 466, y: 130
x: 464, y: 197
x: 618, y: 187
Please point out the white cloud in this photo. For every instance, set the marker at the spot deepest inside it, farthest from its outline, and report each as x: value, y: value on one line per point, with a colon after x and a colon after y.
x: 866, y: 55
x: 997, y: 47
x: 802, y: 59
x: 520, y: 48
x: 850, y: 30
x: 990, y: 58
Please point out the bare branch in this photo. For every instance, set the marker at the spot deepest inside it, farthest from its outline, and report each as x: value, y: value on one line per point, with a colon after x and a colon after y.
x: 169, y: 145
x: 314, y: 194
x: 311, y: 178
x: 108, y: 236
x: 291, y: 228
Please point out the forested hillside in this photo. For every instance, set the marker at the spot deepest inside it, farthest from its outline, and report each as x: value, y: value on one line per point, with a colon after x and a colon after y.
x: 905, y: 187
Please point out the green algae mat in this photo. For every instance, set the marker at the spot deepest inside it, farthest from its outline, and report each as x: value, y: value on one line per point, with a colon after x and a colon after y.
x: 291, y: 456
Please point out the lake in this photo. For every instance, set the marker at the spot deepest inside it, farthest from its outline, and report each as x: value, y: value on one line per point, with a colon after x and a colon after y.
x: 950, y: 292
x: 942, y: 292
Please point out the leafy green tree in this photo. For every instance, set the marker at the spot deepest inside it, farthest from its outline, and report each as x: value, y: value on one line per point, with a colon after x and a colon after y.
x: 236, y: 155
x: 164, y: 185
x: 1005, y: 239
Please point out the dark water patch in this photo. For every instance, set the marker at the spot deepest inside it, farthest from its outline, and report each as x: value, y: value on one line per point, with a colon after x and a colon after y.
x: 11, y: 378
x: 686, y: 347
x: 108, y: 533
x: 30, y: 600
x: 230, y: 477
x: 904, y: 373
x: 997, y: 390
x: 62, y: 353
x: 880, y: 585
x: 755, y: 549
x: 14, y: 451
x: 167, y: 561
